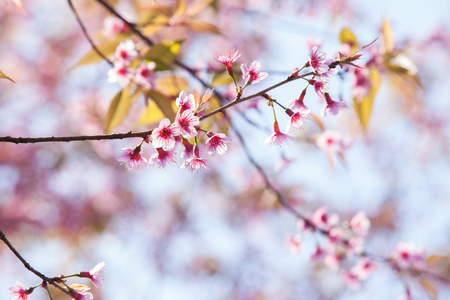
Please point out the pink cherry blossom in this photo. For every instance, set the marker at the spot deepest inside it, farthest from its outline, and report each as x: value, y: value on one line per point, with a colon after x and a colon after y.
x: 112, y: 26
x: 162, y: 157
x: 332, y: 107
x: 296, y: 120
x: 185, y: 102
x: 330, y: 141
x: 195, y: 162
x: 316, y: 60
x: 95, y: 275
x: 217, y: 143
x: 132, y: 158
x: 298, y: 104
x: 320, y: 86
x: 319, y: 254
x: 253, y: 73
x: 360, y: 224
x: 188, y: 149
x: 228, y: 60
x: 351, y: 279
x: 363, y: 268
x: 407, y: 255
x: 125, y: 52
x: 83, y: 295
x: 361, y: 84
x: 144, y: 75
x: 277, y: 137
x: 323, y: 219
x: 121, y: 74
x: 187, y: 122
x: 164, y: 135
x: 20, y: 292
x: 293, y: 243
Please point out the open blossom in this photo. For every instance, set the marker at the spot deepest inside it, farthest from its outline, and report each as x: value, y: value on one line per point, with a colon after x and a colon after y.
x: 144, y: 75
x: 162, y: 157
x: 121, y: 74
x: 188, y: 149
x: 164, y: 135
x: 293, y: 243
x: 125, y: 52
x: 95, y: 275
x: 297, y: 104
x: 253, y: 73
x: 361, y: 84
x: 228, y: 59
x: 296, y: 120
x: 217, y: 143
x: 351, y: 279
x: 187, y: 122
x: 323, y: 219
x: 20, y: 292
x: 360, y: 224
x: 316, y: 60
x: 331, y: 141
x: 112, y: 26
x: 363, y: 268
x: 83, y: 295
x: 195, y: 162
x: 185, y: 102
x: 407, y: 255
x: 320, y: 86
x: 132, y: 158
x: 332, y: 107
x: 277, y: 137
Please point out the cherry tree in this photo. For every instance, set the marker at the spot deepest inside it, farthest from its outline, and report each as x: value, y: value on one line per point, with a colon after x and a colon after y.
x: 221, y: 149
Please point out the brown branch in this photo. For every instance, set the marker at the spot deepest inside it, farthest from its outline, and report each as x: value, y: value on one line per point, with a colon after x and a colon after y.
x: 52, y: 139
x: 83, y: 28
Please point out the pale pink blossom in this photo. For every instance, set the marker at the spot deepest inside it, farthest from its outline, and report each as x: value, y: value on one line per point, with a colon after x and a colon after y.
x: 360, y: 224
x: 323, y: 219
x: 283, y: 163
x: 319, y: 254
x: 296, y: 120
x: 361, y: 84
x: 332, y: 107
x: 363, y: 268
x: 407, y: 255
x: 121, y: 74
x: 293, y: 243
x: 217, y: 143
x: 351, y: 279
x: 187, y: 123
x: 95, y: 275
x: 277, y: 137
x: 253, y: 73
x: 20, y: 292
x: 162, y: 157
x: 125, y: 52
x: 195, y: 162
x: 83, y: 295
x: 320, y: 86
x: 132, y: 158
x: 297, y: 104
x: 228, y: 59
x: 188, y: 149
x: 164, y: 135
x: 144, y: 75
x: 112, y: 26
x: 332, y: 261
x: 330, y: 141
x: 316, y: 60
x: 185, y: 102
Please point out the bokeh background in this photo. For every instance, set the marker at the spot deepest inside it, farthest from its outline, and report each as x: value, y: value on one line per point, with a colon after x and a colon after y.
x: 170, y: 234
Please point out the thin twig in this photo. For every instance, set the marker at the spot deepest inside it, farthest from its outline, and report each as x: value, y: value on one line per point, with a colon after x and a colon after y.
x: 83, y: 28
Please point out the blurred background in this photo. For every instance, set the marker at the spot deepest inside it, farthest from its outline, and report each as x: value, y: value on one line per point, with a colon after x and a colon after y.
x: 169, y: 234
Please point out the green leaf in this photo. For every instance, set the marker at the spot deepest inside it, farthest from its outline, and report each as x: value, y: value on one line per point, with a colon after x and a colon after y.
x: 163, y: 54
x: 163, y: 102
x: 119, y: 108
x: 107, y: 48
x: 2, y: 75
x: 347, y: 37
x: 363, y: 108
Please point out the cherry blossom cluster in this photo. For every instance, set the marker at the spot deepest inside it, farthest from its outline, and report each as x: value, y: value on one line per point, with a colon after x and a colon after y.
x: 123, y: 73
x: 344, y: 252
x: 76, y: 291
x: 166, y: 138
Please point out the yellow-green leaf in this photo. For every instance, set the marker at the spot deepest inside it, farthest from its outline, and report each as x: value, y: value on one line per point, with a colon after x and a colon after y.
x: 107, y: 48
x: 221, y: 78
x: 119, y: 108
x: 201, y: 26
x: 347, y: 37
x: 163, y: 54
x: 363, y: 107
x: 151, y: 114
x: 163, y: 102
x: 171, y: 84
x: 2, y: 75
